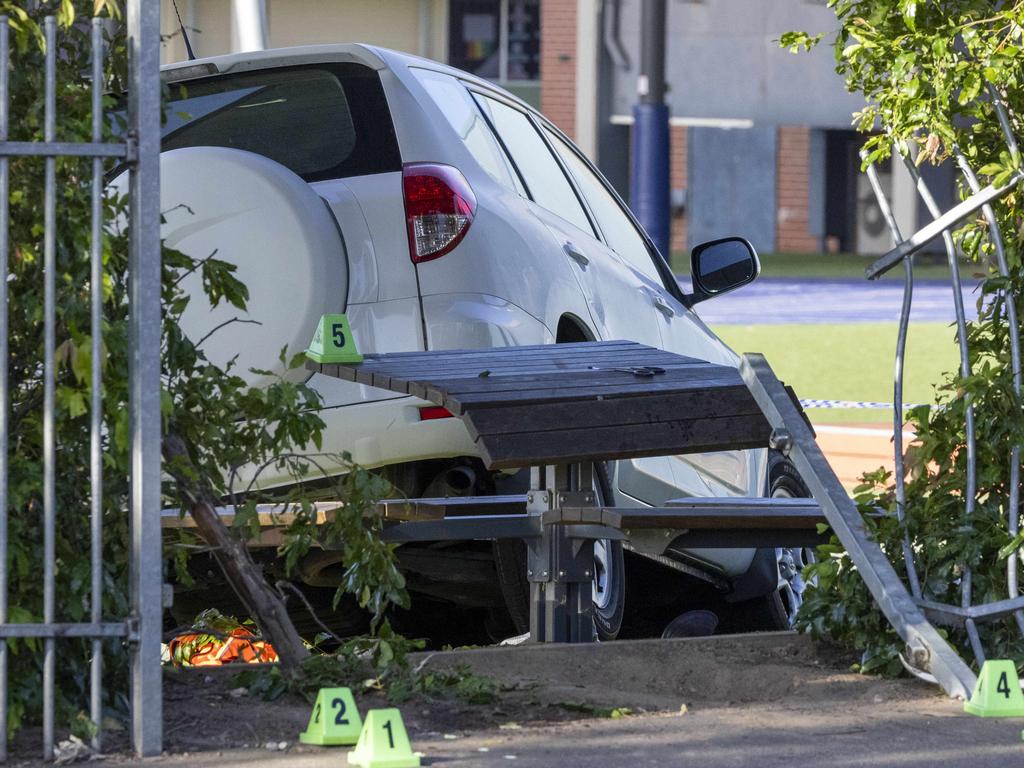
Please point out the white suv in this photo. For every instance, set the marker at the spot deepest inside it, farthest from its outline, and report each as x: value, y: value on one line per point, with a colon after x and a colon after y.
x: 462, y: 218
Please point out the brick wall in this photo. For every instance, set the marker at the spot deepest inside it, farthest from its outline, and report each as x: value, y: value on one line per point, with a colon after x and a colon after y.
x: 792, y: 189
x: 678, y: 176
x: 558, y: 63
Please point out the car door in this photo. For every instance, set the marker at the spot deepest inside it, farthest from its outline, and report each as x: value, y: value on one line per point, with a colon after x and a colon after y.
x: 617, y: 297
x: 719, y: 474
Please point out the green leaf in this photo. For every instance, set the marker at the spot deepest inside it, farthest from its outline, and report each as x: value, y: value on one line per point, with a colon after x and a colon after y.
x: 73, y: 401
x: 1015, y: 543
x: 795, y: 41
x: 970, y: 89
x: 909, y: 10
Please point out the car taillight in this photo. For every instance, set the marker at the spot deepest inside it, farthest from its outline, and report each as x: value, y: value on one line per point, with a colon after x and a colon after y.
x: 431, y: 412
x: 439, y: 207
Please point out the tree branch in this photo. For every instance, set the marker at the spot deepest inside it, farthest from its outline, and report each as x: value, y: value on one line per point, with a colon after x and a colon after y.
x: 264, y: 604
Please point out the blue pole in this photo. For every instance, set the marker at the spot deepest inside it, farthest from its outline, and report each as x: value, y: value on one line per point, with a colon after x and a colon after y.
x: 649, y: 191
x: 649, y: 182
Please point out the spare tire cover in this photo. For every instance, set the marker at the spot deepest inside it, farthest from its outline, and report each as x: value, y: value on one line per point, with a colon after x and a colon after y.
x: 281, y: 236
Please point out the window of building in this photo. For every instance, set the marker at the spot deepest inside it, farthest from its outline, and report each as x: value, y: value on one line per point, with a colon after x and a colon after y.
x: 620, y: 233
x: 498, y: 40
x: 544, y: 178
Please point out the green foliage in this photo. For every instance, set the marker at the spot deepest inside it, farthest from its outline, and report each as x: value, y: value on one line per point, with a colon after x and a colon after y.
x: 73, y: 336
x: 229, y: 429
x: 457, y: 682
x: 358, y: 664
x: 355, y: 529
x: 925, y: 68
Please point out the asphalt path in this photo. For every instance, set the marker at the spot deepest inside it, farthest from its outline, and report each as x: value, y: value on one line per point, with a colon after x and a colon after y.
x: 824, y: 300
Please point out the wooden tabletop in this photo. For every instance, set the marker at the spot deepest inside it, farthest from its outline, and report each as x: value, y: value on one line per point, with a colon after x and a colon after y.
x: 563, y: 403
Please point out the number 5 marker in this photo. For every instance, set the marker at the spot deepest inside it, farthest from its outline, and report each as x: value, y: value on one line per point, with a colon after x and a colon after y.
x: 333, y: 342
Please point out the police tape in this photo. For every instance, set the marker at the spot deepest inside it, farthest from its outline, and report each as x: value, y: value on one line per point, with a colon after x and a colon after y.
x: 854, y: 404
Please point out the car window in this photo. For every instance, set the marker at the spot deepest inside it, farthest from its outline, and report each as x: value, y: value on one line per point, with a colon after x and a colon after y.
x: 465, y: 117
x: 320, y: 122
x: 545, y: 181
x: 619, y: 231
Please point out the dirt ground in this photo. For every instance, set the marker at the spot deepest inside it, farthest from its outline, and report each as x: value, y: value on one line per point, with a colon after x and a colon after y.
x: 744, y: 700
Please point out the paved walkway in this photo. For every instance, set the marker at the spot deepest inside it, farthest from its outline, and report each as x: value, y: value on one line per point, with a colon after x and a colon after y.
x: 871, y: 733
x: 822, y: 300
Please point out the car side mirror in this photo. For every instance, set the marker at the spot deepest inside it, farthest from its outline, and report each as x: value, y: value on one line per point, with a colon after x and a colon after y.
x: 720, y: 266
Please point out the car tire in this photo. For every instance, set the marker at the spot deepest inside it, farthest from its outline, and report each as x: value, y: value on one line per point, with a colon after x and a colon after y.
x: 777, y: 610
x: 609, y: 576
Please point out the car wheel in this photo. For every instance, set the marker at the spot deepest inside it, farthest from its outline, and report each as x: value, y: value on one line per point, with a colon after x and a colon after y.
x: 777, y: 610
x: 784, y: 482
x: 609, y: 570
x: 609, y: 576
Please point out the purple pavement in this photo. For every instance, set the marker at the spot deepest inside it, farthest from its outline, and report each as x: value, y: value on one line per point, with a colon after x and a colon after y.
x: 824, y: 300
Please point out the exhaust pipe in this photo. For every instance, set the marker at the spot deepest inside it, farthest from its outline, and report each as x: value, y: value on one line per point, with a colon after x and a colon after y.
x: 460, y: 481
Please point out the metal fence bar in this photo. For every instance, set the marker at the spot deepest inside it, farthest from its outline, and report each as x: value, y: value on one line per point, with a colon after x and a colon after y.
x: 4, y: 234
x: 96, y: 415
x: 38, y: 629
x: 49, y: 351
x: 1004, y: 121
x: 64, y: 149
x: 144, y: 289
x: 901, y: 348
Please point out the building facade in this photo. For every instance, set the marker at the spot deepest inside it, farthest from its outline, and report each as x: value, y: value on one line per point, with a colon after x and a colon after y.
x: 761, y: 139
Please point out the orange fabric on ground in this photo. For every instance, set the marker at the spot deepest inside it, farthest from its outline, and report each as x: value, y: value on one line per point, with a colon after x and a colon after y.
x: 239, y: 646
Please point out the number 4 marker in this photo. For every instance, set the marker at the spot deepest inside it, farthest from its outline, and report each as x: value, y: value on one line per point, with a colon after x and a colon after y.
x: 997, y: 692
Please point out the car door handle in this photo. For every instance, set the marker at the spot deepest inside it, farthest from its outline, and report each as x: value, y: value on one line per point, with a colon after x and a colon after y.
x: 575, y: 254
x: 663, y: 306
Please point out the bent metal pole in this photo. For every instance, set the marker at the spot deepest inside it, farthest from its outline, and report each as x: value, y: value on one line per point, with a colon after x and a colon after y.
x: 901, y: 348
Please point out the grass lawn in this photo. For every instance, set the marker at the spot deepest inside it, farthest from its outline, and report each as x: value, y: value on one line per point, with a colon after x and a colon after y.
x: 849, y: 362
x: 836, y: 265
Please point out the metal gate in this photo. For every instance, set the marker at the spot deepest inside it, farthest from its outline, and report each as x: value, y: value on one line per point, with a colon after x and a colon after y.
x: 140, y: 629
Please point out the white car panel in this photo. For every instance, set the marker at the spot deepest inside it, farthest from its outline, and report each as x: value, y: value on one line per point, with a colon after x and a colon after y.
x: 381, y: 203
x: 507, y: 252
x: 380, y: 433
x: 478, y: 321
x: 363, y: 285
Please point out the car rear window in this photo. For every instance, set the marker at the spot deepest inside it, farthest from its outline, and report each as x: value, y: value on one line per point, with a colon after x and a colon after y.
x: 322, y: 122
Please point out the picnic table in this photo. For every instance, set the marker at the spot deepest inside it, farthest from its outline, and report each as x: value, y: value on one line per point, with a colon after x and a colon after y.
x: 559, y: 410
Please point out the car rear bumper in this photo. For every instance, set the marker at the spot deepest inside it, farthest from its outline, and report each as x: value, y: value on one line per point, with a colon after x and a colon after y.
x: 381, y: 432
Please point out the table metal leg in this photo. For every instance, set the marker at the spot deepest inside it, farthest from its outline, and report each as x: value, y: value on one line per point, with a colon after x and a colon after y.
x: 560, y: 568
